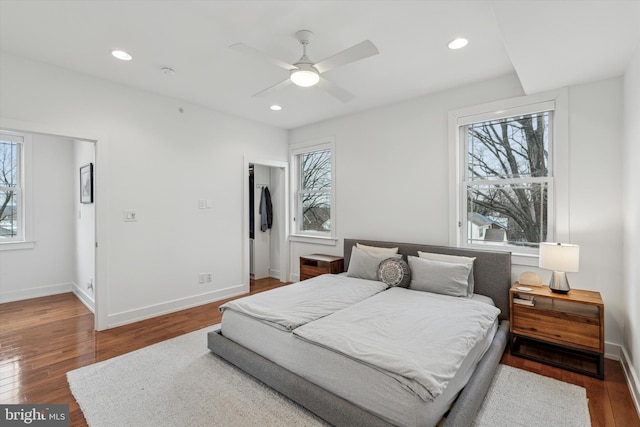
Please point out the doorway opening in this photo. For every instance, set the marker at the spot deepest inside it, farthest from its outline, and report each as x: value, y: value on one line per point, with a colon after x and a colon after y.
x: 69, y: 151
x: 266, y: 252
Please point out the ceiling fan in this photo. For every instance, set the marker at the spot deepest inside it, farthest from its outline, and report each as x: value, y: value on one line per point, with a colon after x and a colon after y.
x: 305, y: 72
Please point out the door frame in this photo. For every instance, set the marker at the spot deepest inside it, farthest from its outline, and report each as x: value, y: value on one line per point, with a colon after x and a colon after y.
x: 100, y: 197
x: 282, y: 218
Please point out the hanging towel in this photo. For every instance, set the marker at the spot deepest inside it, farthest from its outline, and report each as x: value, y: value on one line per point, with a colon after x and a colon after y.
x: 266, y: 210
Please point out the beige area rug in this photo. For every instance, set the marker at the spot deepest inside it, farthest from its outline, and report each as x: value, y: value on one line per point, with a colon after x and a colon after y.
x: 178, y: 382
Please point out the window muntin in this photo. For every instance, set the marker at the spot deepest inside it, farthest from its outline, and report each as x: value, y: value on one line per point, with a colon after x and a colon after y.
x: 314, y: 191
x: 508, y: 181
x: 11, y: 191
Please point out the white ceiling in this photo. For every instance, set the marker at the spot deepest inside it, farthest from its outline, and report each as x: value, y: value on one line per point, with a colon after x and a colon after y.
x: 549, y: 44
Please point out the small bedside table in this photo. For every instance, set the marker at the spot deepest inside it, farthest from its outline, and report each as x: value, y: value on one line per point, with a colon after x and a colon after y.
x: 562, y: 330
x: 316, y: 264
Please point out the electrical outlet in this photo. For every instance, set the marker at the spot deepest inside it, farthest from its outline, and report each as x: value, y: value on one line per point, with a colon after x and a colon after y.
x: 205, y: 277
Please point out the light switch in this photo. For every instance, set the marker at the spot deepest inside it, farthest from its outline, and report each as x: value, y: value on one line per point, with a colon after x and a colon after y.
x: 130, y: 216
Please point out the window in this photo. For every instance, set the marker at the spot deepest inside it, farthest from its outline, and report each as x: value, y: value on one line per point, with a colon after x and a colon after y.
x: 505, y: 174
x: 11, y: 188
x: 314, y: 184
x: 508, y: 179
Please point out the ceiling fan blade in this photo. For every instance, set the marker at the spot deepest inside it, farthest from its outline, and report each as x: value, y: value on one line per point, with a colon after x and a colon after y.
x: 335, y: 90
x: 252, y: 51
x: 354, y: 53
x: 272, y: 89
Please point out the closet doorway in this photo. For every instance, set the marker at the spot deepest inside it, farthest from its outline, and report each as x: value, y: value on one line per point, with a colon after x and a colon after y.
x: 265, y: 248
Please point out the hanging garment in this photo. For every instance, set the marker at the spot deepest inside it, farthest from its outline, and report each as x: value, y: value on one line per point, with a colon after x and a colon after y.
x: 266, y: 210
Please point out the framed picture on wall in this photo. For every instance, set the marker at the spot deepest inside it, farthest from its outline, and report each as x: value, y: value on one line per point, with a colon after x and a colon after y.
x: 86, y: 183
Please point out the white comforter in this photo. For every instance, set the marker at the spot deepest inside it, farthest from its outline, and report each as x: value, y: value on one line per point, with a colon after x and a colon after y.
x: 291, y: 306
x: 419, y: 338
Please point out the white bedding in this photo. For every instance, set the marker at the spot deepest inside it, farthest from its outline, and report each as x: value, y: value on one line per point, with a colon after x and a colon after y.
x: 419, y: 338
x: 348, y: 378
x: 291, y: 306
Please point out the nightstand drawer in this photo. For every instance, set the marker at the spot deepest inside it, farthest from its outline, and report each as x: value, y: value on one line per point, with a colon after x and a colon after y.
x: 563, y: 330
x: 316, y: 264
x: 554, y: 326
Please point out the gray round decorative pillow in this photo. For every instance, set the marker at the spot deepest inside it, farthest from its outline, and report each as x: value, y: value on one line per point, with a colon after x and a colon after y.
x: 394, y: 272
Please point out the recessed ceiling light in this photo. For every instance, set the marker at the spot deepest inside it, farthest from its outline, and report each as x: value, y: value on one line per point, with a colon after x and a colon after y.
x: 275, y: 107
x: 168, y: 71
x: 121, y: 54
x: 458, y: 43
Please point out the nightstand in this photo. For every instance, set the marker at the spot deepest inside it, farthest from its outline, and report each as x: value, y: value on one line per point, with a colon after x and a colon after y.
x: 316, y: 264
x: 562, y: 330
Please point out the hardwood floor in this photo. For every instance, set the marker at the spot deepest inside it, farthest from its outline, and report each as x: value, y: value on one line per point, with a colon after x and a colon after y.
x: 42, y: 339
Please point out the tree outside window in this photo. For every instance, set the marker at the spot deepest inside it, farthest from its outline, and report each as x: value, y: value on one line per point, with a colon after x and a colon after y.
x: 314, y: 193
x: 9, y: 189
x: 508, y: 180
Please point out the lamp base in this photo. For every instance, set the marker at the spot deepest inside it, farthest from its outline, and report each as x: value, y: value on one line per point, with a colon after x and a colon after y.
x: 559, y: 283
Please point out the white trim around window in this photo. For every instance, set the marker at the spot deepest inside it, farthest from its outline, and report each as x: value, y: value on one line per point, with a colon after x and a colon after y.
x: 295, y: 150
x: 558, y: 206
x: 26, y: 235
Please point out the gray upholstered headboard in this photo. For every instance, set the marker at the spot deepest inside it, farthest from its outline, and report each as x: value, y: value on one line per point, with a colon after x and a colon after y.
x: 491, y: 270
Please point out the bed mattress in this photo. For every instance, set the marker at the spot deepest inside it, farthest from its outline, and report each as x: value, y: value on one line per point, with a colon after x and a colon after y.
x: 353, y: 380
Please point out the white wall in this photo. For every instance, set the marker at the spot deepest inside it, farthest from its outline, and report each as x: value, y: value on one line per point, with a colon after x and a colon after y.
x: 595, y: 189
x: 631, y: 197
x: 392, y: 178
x: 49, y: 267
x: 278, y: 229
x: 391, y: 167
x: 85, y: 222
x: 159, y: 161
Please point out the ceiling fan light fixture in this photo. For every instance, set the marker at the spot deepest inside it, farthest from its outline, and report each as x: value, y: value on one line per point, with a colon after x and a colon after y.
x: 305, y: 75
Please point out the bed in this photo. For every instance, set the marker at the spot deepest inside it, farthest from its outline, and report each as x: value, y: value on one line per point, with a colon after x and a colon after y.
x: 331, y: 385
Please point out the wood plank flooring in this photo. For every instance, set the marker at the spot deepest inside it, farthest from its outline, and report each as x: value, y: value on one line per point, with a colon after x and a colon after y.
x: 42, y: 339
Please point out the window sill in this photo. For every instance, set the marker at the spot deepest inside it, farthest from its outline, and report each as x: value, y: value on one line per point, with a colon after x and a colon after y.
x: 529, y: 259
x: 11, y: 246
x: 318, y: 240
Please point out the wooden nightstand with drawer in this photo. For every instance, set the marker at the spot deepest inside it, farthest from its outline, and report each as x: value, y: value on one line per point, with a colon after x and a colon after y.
x: 562, y: 330
x: 316, y: 264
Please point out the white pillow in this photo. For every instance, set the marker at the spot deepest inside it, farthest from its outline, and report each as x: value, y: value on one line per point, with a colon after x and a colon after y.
x: 376, y: 250
x: 444, y: 278
x: 364, y: 265
x: 456, y: 259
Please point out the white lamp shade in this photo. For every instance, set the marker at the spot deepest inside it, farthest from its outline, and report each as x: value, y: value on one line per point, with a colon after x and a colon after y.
x: 559, y: 257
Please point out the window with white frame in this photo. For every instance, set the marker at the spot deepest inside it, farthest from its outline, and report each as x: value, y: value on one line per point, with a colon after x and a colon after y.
x: 314, y: 185
x: 506, y: 178
x: 11, y: 188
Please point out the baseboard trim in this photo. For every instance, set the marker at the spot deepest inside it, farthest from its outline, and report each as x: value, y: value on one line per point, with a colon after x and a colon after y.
x: 40, y: 291
x: 84, y: 297
x: 612, y: 351
x: 632, y: 378
x: 131, y: 316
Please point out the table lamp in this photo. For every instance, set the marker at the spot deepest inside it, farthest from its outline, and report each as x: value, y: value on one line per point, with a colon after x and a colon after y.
x: 562, y: 258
